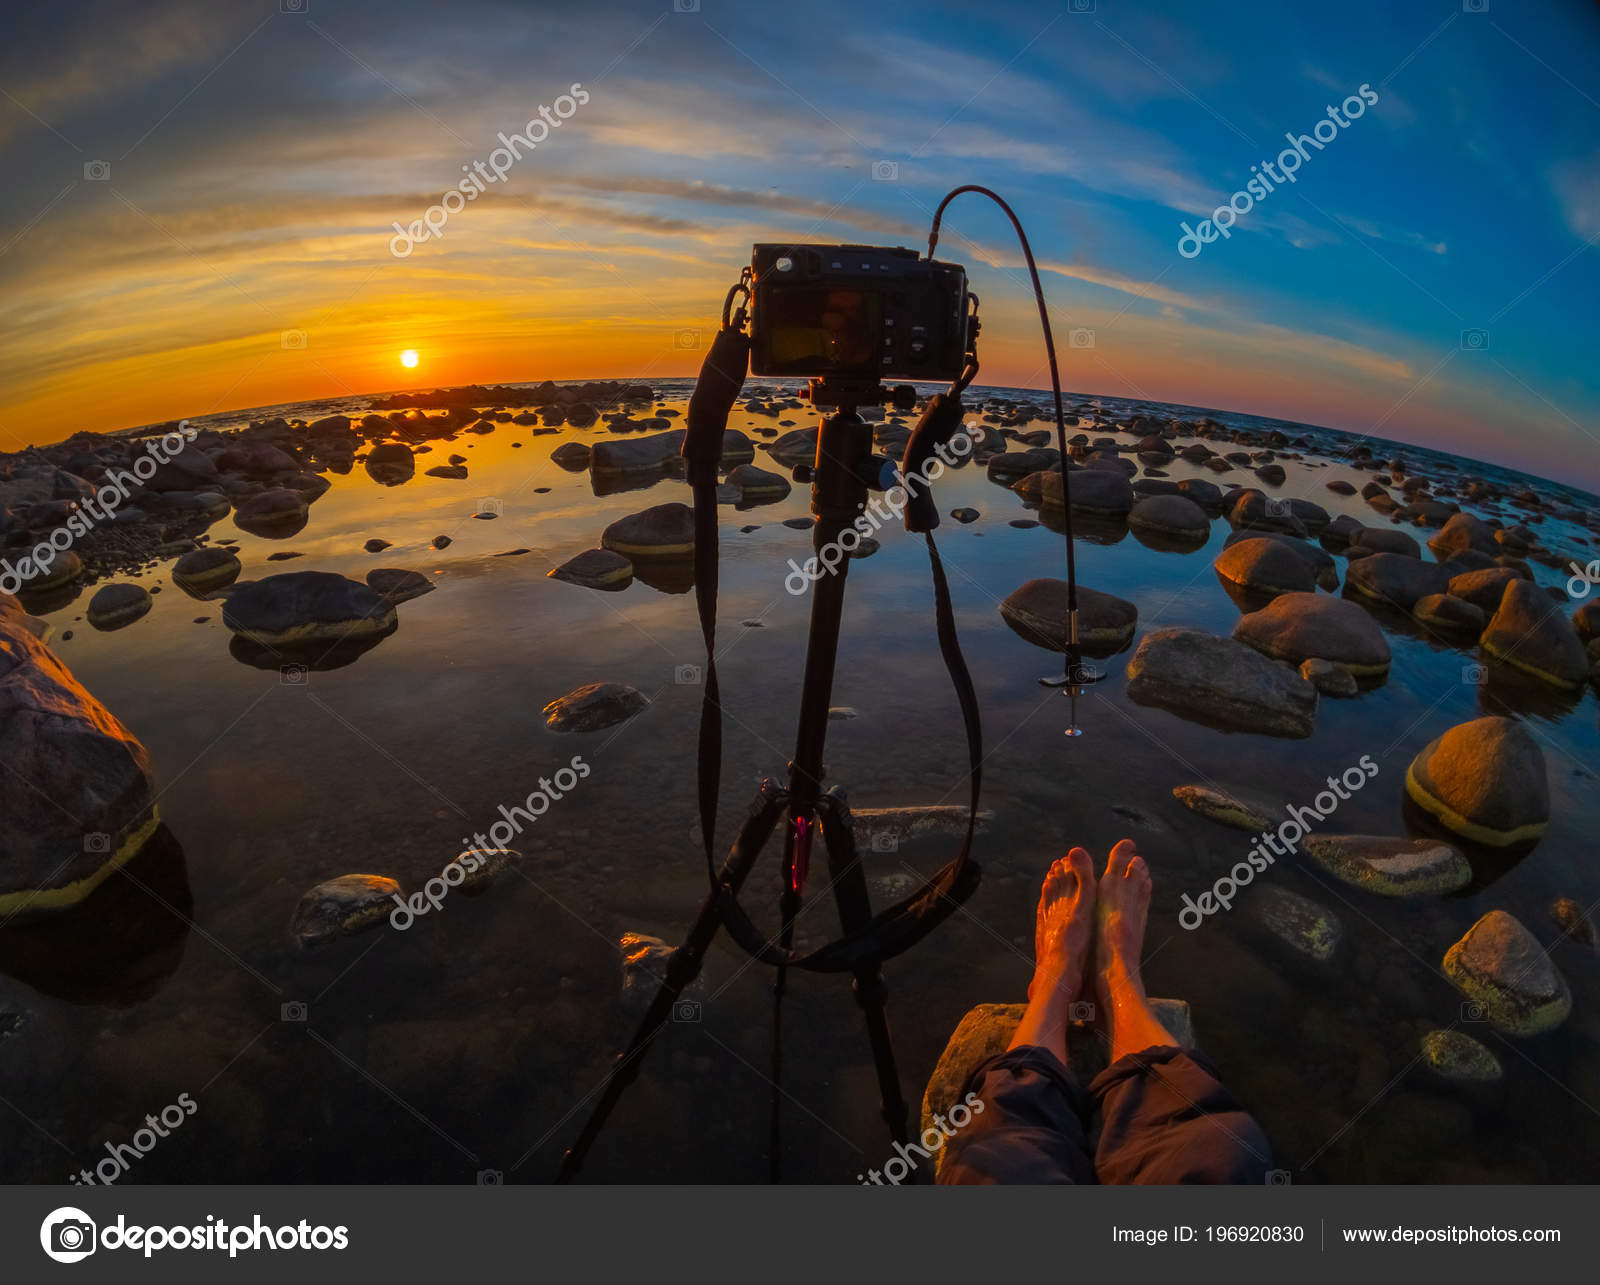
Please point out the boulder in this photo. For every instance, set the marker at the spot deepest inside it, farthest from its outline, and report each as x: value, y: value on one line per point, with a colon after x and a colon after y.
x: 1385, y: 540
x: 1463, y: 532
x: 1390, y: 867
x: 116, y: 605
x: 342, y: 907
x: 1449, y: 614
x: 637, y: 454
x: 1297, y: 627
x: 798, y: 446
x: 1501, y: 967
x: 452, y: 472
x: 574, y: 457
x: 1171, y: 515
x: 1206, y: 494
x: 1530, y: 632
x: 1265, y: 566
x: 60, y: 744
x: 391, y: 463
x: 1038, y: 612
x: 1395, y: 580
x: 1485, y: 781
x: 1221, y: 682
x: 207, y: 569
x: 1575, y: 921
x: 758, y: 485
x: 1483, y: 589
x: 271, y: 510
x: 664, y: 531
x: 1322, y: 562
x: 298, y: 609
x: 593, y: 706
x: 1587, y: 621
x: 595, y: 569
x: 1095, y: 491
x: 1252, y: 509
x: 1329, y: 678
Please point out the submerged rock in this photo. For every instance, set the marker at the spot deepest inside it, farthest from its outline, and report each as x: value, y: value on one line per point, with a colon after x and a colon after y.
x: 1297, y: 921
x: 572, y: 456
x: 342, y: 907
x: 1571, y: 917
x: 1390, y: 867
x: 595, y: 569
x: 1172, y: 515
x: 1038, y: 612
x: 1459, y: 1057
x: 1221, y: 682
x: 1329, y: 677
x: 1501, y: 967
x: 758, y: 484
x: 593, y: 706
x: 1226, y: 807
x: 1485, y: 781
x: 644, y: 968
x: 399, y: 585
x: 59, y: 743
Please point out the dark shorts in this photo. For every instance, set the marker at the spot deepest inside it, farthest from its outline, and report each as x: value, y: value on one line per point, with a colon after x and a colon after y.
x: 1163, y: 1117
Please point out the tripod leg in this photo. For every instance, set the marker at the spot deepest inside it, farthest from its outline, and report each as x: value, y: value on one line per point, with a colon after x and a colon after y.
x: 683, y: 969
x: 855, y: 909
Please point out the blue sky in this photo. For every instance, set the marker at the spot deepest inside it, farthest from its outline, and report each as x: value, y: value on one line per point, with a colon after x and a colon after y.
x: 258, y: 159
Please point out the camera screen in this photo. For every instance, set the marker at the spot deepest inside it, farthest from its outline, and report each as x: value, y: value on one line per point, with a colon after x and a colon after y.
x: 820, y: 330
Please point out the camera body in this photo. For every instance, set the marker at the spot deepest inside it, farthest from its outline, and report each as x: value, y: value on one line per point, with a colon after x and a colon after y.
x: 71, y: 1236
x: 857, y: 313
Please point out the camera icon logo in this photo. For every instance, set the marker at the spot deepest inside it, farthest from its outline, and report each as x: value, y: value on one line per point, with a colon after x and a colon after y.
x: 686, y: 1010
x: 489, y: 505
x: 1474, y: 6
x: 294, y: 6
x: 294, y: 340
x: 1475, y: 340
x: 491, y: 1178
x: 886, y: 171
x: 294, y: 1011
x: 1472, y: 1011
x: 1080, y: 338
x: 96, y: 171
x: 292, y: 675
x: 687, y: 338
x: 1081, y: 6
x: 686, y: 6
x: 687, y: 676
x: 1081, y: 1011
x: 1279, y: 1178
x: 1474, y: 675
x: 68, y: 1235
x: 886, y: 841
x: 97, y: 841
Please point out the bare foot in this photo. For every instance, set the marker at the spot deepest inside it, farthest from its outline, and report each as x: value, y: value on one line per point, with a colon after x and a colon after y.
x: 1123, y: 908
x: 1063, y: 929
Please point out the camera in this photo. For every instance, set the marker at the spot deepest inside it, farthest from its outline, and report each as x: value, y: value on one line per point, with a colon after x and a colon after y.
x: 686, y: 1010
x: 294, y: 1011
x: 70, y: 1236
x: 1081, y: 1011
x: 856, y: 312
x: 97, y: 842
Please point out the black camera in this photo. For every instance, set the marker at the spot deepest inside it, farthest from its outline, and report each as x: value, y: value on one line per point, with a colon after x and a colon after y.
x: 71, y: 1236
x: 857, y: 312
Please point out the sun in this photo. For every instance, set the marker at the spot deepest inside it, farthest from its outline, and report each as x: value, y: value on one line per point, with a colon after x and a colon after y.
x: 409, y: 358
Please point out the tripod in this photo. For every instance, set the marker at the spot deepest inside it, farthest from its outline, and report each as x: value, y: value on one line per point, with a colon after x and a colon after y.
x: 845, y: 470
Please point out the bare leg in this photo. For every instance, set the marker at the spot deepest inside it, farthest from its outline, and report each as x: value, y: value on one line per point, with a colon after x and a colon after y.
x: 1063, y: 927
x: 1122, y: 908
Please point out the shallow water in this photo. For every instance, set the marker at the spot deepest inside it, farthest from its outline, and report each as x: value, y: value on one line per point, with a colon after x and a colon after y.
x: 473, y: 1040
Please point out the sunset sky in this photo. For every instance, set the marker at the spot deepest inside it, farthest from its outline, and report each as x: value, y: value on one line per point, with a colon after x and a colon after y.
x: 188, y: 180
